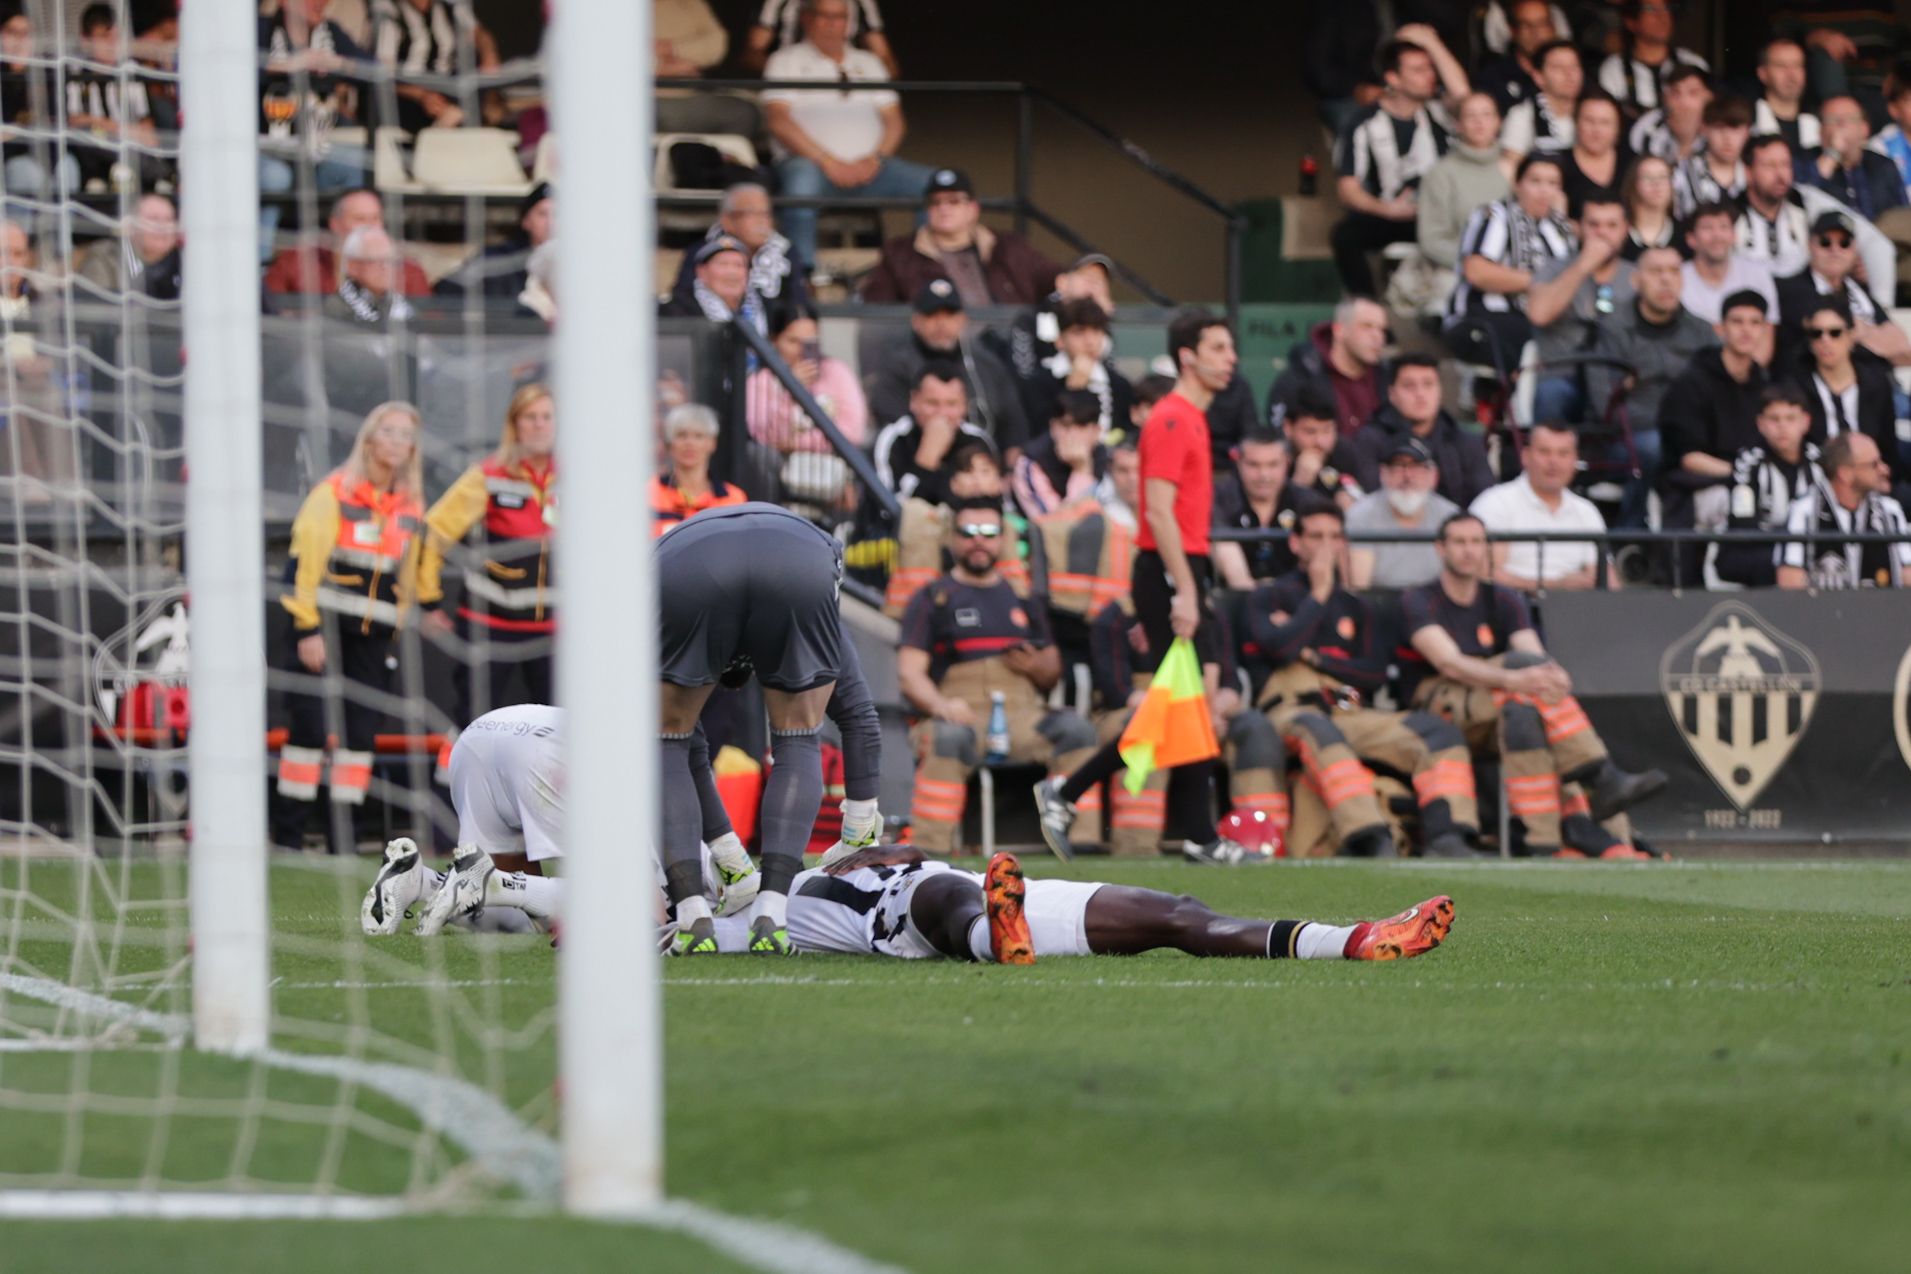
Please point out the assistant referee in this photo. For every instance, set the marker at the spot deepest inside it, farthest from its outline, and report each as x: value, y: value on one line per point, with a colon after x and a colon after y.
x: 1172, y: 576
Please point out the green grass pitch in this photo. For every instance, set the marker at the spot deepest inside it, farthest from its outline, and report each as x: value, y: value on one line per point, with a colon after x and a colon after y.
x: 1682, y: 1067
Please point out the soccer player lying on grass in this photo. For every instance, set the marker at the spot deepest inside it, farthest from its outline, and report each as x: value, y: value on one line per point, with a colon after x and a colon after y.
x: 892, y: 901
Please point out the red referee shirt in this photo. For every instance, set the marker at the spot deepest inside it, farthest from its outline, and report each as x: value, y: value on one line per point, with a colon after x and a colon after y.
x: 1174, y: 448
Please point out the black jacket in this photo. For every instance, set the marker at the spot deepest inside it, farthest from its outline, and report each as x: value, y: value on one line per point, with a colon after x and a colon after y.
x: 1796, y: 295
x: 1461, y: 456
x: 995, y: 399
x: 1705, y: 410
x: 1877, y: 407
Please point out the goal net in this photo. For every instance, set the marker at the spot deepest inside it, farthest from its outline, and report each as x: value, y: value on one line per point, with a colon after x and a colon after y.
x: 268, y: 292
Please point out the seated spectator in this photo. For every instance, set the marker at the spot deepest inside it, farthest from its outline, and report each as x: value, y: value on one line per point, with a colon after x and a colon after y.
x: 1766, y: 479
x: 1322, y: 461
x: 499, y: 270
x: 1709, y: 413
x: 539, y: 298
x: 686, y: 488
x: 938, y: 332
x: 305, y: 91
x: 144, y: 260
x: 1468, y: 175
x: 1500, y: 25
x: 1383, y: 154
x: 1596, y: 165
x: 39, y: 443
x: 1647, y: 194
x: 776, y: 274
x: 686, y: 39
x: 1031, y: 336
x: 1568, y: 299
x: 1256, y: 496
x: 831, y: 141
x: 915, y: 453
x: 1544, y: 121
x: 428, y: 38
x: 809, y: 469
x: 988, y: 267
x: 1892, y: 139
x: 1780, y: 108
x: 1083, y: 349
x: 27, y: 162
x: 109, y: 105
x: 1642, y: 68
x: 968, y: 639
x: 1123, y: 505
x: 1853, y: 499
x: 1540, y: 501
x: 1777, y: 213
x: 1675, y: 131
x: 1831, y: 254
x: 1149, y: 390
x: 778, y: 26
x: 1405, y: 504
x: 1717, y: 269
x: 1511, y: 76
x: 1717, y: 172
x: 369, y: 293
x: 1503, y: 246
x: 1339, y: 361
x: 313, y: 267
x: 1862, y: 179
x: 720, y: 290
x: 1067, y: 465
x: 1849, y: 390
x: 1655, y: 337
x: 1413, y: 410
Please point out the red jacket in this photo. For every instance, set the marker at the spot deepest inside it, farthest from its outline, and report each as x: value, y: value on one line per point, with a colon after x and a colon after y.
x: 1017, y: 273
x: 312, y: 269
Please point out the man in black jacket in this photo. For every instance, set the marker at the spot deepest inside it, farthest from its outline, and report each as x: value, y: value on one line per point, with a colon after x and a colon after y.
x: 1709, y: 414
x: 1413, y: 409
x: 939, y: 333
x: 1340, y: 361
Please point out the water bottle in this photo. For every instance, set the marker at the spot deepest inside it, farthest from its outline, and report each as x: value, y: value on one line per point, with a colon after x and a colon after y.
x: 998, y: 743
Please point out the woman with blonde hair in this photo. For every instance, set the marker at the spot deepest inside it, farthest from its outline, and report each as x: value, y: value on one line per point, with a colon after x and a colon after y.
x: 502, y: 511
x: 349, y: 580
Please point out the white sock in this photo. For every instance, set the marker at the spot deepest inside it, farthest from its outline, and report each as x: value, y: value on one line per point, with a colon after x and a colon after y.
x: 1317, y: 941
x: 775, y: 906
x: 979, y: 944
x: 691, y: 910
x: 861, y: 819
x: 540, y: 896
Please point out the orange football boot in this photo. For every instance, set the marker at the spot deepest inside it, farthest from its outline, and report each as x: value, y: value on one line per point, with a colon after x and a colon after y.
x: 1415, y: 931
x: 1003, y: 889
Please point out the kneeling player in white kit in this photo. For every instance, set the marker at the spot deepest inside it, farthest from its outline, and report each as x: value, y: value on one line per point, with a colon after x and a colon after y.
x: 891, y: 901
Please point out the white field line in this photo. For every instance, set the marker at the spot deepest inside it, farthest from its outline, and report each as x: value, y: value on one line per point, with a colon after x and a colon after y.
x: 462, y: 1113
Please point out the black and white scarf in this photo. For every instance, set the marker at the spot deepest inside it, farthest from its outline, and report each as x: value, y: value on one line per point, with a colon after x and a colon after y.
x: 717, y: 310
x: 368, y: 307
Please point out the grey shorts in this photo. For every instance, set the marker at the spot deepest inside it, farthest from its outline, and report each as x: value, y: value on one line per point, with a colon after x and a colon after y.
x: 750, y: 586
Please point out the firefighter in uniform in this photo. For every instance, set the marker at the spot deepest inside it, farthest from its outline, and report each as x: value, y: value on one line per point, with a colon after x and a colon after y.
x: 967, y: 637
x: 1323, y: 646
x: 1475, y: 660
x: 502, y: 510
x: 354, y: 556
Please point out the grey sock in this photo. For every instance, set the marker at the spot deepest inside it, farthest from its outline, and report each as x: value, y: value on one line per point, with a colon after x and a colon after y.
x: 683, y: 820
x: 791, y: 798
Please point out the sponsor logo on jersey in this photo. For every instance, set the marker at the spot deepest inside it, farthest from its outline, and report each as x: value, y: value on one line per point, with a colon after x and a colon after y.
x: 1741, y: 693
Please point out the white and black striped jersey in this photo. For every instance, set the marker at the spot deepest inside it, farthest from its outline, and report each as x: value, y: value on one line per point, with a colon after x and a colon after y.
x: 1503, y: 234
x: 1802, y: 133
x: 863, y: 912
x: 1780, y: 240
x: 424, y: 42
x: 1533, y: 125
x: 1833, y: 563
x: 1636, y: 85
x: 106, y: 96
x: 1693, y: 183
x: 1649, y: 135
x: 1863, y: 307
x: 1388, y: 155
x: 1764, y: 488
x: 783, y: 17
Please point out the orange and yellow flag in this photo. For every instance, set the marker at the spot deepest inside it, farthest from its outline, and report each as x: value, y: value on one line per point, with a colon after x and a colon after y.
x: 1173, y: 725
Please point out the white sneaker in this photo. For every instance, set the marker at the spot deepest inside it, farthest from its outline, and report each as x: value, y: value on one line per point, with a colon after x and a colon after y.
x: 461, y: 894
x: 399, y: 882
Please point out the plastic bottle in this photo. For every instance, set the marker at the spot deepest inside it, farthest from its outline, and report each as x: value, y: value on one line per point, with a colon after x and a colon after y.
x: 998, y: 742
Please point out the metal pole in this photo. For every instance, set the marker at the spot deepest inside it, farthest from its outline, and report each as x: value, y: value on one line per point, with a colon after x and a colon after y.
x: 225, y: 551
x: 610, y: 1046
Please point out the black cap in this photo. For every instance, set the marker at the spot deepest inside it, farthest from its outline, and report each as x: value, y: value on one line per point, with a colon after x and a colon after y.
x: 537, y: 195
x: 722, y: 243
x: 1831, y: 219
x: 1095, y: 258
x: 938, y: 296
x: 1410, y: 448
x: 944, y: 180
x: 1745, y: 298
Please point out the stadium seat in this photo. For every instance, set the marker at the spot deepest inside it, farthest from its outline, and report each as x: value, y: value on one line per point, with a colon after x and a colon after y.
x: 468, y: 161
x: 738, y: 150
x: 390, y: 171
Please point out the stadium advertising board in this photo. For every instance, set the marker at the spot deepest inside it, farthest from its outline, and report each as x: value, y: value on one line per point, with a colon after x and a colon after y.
x: 1781, y: 717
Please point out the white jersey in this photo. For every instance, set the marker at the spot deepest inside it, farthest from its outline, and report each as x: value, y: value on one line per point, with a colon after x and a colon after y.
x: 866, y: 912
x: 507, y: 782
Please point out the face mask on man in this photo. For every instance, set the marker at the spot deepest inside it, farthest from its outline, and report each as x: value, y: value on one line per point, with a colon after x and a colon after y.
x: 1405, y: 502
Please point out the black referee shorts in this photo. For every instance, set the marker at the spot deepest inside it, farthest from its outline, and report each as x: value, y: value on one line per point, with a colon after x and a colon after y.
x: 1153, y: 591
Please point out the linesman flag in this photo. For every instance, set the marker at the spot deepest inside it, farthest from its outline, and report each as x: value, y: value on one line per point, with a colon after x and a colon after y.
x: 1172, y: 726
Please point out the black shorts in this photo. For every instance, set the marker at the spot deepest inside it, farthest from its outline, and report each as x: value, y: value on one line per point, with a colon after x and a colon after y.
x: 1153, y: 591
x: 750, y: 587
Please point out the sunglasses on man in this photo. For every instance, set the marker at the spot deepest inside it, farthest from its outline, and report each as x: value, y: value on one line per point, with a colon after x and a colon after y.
x: 1839, y: 241
x: 979, y: 530
x: 1826, y: 333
